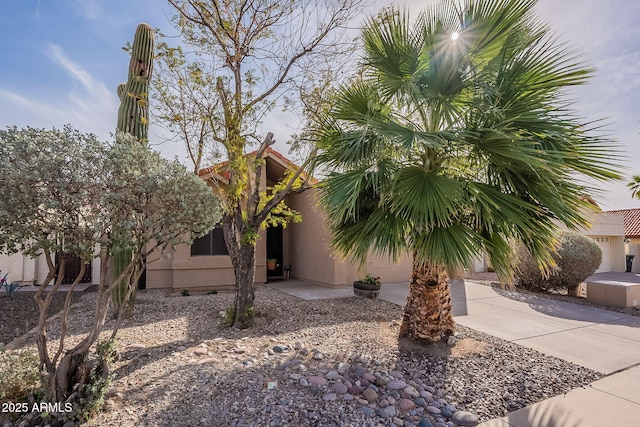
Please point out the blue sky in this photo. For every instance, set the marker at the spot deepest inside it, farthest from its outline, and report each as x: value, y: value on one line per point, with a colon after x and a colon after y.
x: 62, y: 61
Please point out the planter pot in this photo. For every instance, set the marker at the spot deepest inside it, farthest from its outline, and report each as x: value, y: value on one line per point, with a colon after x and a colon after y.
x: 366, y: 290
x: 272, y: 264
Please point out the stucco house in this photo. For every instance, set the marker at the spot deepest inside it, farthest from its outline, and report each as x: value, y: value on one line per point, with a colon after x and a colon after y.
x: 608, y: 232
x: 301, y: 250
x: 631, y: 233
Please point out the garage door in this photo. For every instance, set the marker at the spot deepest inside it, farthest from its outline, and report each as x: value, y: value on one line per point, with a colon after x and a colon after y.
x: 605, y: 247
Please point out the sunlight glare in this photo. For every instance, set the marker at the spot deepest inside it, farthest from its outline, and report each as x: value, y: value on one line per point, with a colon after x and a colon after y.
x: 454, y: 36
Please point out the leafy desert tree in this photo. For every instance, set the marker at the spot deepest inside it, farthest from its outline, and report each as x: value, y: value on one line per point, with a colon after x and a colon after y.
x: 239, y: 60
x: 66, y: 192
x: 455, y: 139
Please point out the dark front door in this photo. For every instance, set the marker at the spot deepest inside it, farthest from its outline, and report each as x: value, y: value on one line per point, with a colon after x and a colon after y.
x: 274, y: 250
x: 72, y: 269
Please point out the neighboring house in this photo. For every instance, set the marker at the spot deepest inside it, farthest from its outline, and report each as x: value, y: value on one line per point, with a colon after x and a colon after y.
x: 34, y: 271
x: 631, y: 234
x: 607, y: 229
x: 608, y: 232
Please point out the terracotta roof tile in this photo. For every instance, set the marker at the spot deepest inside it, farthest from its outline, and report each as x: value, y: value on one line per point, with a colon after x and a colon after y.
x: 631, y: 221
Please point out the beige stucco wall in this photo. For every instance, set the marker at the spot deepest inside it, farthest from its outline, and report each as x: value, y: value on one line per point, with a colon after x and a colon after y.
x: 311, y: 257
x: 313, y: 260
x: 611, y: 226
x: 19, y: 267
x: 388, y: 270
x: 177, y: 270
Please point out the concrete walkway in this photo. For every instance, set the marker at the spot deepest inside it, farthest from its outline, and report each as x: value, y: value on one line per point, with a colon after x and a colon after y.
x: 605, y: 341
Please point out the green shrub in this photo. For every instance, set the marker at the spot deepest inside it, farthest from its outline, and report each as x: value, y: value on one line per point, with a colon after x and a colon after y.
x: 90, y: 397
x: 577, y: 257
x: 19, y: 375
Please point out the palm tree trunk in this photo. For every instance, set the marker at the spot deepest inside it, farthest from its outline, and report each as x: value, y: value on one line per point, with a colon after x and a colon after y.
x: 427, y: 314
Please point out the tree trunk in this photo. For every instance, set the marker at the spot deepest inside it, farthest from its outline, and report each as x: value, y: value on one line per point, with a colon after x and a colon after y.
x: 245, y: 272
x: 241, y: 245
x: 427, y: 314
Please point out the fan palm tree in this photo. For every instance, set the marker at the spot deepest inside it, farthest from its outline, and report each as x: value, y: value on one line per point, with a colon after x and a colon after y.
x: 455, y: 139
x: 634, y: 186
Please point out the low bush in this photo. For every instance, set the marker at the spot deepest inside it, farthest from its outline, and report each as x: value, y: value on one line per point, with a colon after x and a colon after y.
x: 19, y: 375
x: 577, y: 257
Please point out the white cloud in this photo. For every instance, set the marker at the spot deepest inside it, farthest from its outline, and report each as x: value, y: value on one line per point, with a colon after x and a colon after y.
x: 89, y: 9
x: 89, y: 106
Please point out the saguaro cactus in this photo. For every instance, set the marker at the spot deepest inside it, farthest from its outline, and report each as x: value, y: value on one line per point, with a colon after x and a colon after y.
x: 133, y: 118
x: 133, y: 114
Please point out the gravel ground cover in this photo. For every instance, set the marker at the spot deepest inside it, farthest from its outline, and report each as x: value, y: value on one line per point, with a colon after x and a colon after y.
x: 309, y: 363
x: 20, y: 313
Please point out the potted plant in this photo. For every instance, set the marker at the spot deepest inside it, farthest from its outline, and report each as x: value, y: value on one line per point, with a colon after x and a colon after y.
x: 367, y: 287
x: 272, y: 264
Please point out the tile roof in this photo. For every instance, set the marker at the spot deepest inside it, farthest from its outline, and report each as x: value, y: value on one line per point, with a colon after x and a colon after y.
x: 631, y: 221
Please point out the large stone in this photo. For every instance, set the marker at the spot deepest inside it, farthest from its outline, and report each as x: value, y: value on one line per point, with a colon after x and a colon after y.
x: 421, y: 402
x: 411, y: 391
x: 396, y: 385
x: 380, y: 381
x: 135, y: 346
x: 208, y: 360
x: 382, y: 414
x: 369, y: 377
x: 465, y: 419
x: 406, y: 404
x: 390, y: 410
x: 355, y: 390
x: 281, y: 348
x: 317, y: 380
x: 358, y: 372
x: 367, y: 411
x: 340, y: 388
x: 370, y: 395
x: 433, y: 410
x: 329, y: 397
x: 332, y: 375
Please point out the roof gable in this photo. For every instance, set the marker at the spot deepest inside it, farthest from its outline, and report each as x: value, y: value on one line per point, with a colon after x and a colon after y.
x: 277, y: 160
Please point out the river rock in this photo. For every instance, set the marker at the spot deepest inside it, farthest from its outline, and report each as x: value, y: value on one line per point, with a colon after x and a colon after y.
x: 465, y: 419
x: 396, y: 385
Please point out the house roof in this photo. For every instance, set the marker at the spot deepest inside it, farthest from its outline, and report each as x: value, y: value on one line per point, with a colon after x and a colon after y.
x: 218, y: 171
x: 631, y: 221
